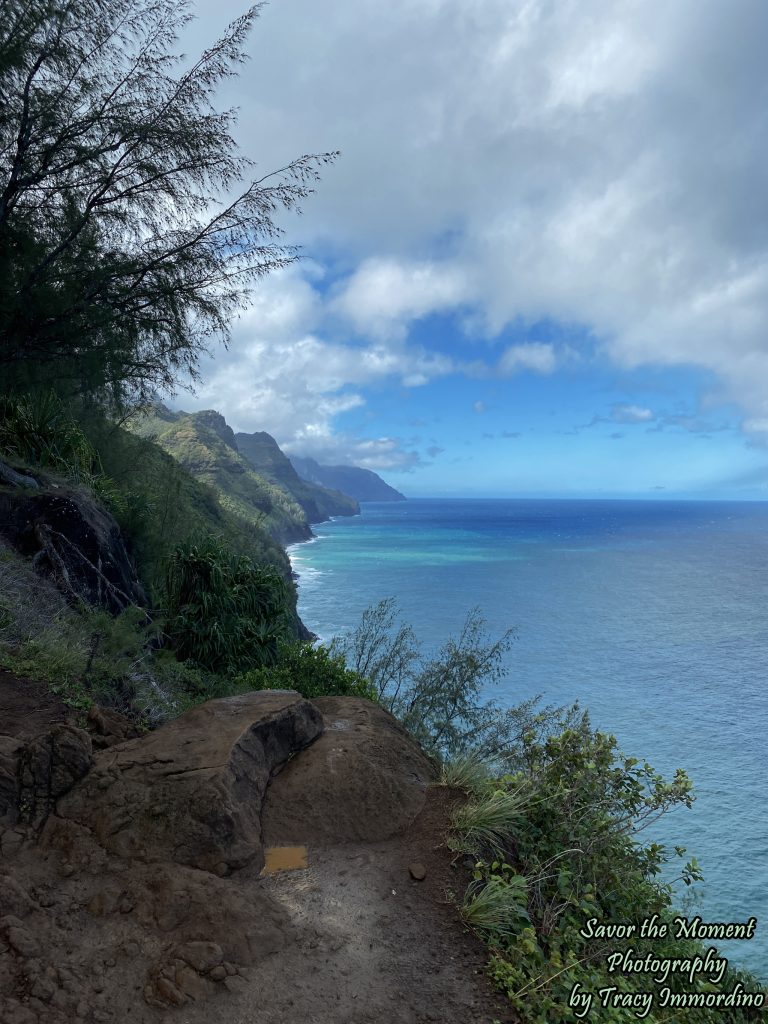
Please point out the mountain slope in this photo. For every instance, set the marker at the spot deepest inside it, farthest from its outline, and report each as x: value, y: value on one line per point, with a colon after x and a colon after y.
x: 319, y: 503
x: 361, y: 484
x: 205, y: 445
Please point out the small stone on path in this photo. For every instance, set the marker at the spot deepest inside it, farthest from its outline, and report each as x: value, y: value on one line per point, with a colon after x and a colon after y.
x: 418, y: 872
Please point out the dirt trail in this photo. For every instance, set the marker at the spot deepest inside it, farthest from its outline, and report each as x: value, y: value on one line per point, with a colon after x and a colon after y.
x: 371, y: 944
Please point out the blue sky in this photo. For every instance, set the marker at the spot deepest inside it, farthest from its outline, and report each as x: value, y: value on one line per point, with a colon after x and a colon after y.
x: 540, y: 264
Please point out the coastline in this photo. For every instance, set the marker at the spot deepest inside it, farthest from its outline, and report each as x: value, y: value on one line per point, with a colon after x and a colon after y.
x: 600, y: 607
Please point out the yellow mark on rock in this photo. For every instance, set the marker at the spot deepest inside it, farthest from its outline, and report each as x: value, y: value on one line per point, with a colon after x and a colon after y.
x: 284, y: 858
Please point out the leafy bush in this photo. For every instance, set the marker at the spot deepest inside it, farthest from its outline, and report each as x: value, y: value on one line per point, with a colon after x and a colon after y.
x: 568, y: 851
x: 313, y: 671
x: 222, y: 612
x: 41, y: 430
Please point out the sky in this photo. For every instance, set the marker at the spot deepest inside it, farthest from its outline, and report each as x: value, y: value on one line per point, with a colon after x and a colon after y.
x: 539, y: 265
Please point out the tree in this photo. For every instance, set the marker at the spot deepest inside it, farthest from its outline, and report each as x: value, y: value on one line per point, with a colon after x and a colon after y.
x: 121, y: 256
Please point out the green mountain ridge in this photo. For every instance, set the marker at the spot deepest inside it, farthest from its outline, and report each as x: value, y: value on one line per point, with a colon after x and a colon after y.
x: 204, y: 445
x: 318, y: 502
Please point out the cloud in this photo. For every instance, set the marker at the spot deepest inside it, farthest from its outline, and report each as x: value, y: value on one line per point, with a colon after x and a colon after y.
x: 534, y: 356
x: 279, y: 377
x: 631, y: 414
x: 578, y: 162
x: 479, y: 407
x: 510, y: 433
x: 434, y: 450
x: 383, y: 297
x: 616, y: 436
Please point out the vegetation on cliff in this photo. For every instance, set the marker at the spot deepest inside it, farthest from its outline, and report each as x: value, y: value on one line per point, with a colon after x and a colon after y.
x: 319, y: 503
x: 205, y: 446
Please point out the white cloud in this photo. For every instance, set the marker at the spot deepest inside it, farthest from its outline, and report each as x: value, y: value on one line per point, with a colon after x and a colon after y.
x: 631, y: 414
x: 530, y: 356
x: 383, y: 297
x: 582, y: 161
x: 279, y: 377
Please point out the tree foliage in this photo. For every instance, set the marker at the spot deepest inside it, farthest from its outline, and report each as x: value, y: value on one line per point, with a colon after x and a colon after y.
x: 125, y: 242
x: 442, y: 700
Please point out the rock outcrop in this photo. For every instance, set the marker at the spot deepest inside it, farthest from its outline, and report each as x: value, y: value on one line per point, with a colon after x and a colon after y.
x: 192, y: 791
x: 364, y: 780
x: 72, y: 540
x: 319, y: 503
x: 49, y: 767
x: 116, y: 906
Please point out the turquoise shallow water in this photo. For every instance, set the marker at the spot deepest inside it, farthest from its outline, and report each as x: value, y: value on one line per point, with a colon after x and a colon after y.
x: 654, y: 615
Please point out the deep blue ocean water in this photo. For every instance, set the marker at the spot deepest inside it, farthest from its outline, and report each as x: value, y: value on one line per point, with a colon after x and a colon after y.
x: 653, y: 615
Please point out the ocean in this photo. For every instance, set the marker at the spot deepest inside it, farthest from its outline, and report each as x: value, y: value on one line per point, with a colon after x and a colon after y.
x: 652, y: 614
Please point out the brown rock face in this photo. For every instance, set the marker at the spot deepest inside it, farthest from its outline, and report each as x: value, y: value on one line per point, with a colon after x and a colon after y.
x: 192, y: 791
x: 49, y: 767
x: 74, y: 541
x: 364, y: 780
x: 10, y: 751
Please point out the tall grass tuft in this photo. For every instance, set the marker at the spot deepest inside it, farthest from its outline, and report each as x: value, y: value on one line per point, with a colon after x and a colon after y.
x: 495, y: 906
x: 487, y: 824
x: 468, y: 773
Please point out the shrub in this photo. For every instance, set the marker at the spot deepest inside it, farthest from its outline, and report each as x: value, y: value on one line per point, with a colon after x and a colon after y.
x: 222, y: 612
x: 41, y: 430
x: 442, y: 700
x: 312, y: 671
x: 569, y: 851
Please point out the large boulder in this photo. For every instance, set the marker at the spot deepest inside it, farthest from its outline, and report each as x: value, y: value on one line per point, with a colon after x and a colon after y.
x: 192, y: 791
x: 364, y: 780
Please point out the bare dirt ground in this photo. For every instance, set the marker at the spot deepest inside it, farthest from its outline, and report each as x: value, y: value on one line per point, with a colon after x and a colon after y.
x: 372, y: 945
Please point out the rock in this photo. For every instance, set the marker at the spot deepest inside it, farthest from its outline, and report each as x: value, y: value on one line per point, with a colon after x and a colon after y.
x: 14, y: 899
x: 192, y: 791
x: 219, y: 973
x: 15, y: 1013
x: 10, y: 751
x: 190, y: 984
x: 203, y: 956
x: 23, y: 941
x: 14, y: 479
x: 49, y: 766
x: 167, y: 991
x: 418, y: 872
x: 108, y: 728
x: 235, y: 985
x: 73, y: 541
x: 364, y: 780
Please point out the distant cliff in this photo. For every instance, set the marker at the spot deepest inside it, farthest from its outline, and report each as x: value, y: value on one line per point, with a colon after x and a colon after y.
x: 205, y: 446
x: 318, y: 502
x: 361, y: 484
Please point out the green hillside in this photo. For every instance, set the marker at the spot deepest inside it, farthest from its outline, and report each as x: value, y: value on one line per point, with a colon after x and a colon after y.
x: 319, y: 503
x: 204, y: 445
